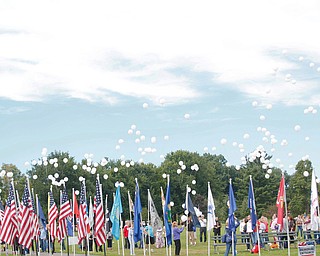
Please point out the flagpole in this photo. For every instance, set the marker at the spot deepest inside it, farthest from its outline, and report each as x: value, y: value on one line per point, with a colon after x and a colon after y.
x: 187, y: 213
x: 208, y: 231
x: 101, y: 195
x: 162, y: 198
x: 255, y: 212
x: 17, y: 203
x: 49, y: 231
x: 121, y: 233
x: 59, y: 224
x: 74, y: 220
x: 87, y: 237
x: 106, y: 212
x: 286, y: 209
x: 37, y: 206
x: 130, y: 213
x: 232, y: 232
x: 149, y: 246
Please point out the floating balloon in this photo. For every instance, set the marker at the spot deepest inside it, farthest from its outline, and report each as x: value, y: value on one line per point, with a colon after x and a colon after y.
x: 120, y: 141
x: 223, y: 141
x: 153, y: 139
x: 187, y: 116
x: 115, y: 169
x: 145, y: 105
x: 130, y: 131
x: 254, y: 103
x: 184, y: 218
x: 105, y: 176
x: 138, y: 133
x: 55, y: 165
x: 194, y: 182
x: 117, y: 147
x: 311, y: 65
x: 262, y: 118
x: 178, y: 171
x: 142, y: 137
x: 193, y: 192
x: 75, y: 167
x: 166, y: 137
x: 269, y: 106
x: 305, y: 174
x: 65, y: 160
x: 171, y: 204
x: 301, y: 58
x: 133, y: 127
x: 246, y: 136
x: 164, y: 175
x: 297, y: 128
x: 35, y: 177
x: 267, y: 176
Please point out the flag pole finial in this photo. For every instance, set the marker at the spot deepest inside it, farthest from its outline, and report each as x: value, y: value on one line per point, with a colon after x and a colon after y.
x: 230, y: 180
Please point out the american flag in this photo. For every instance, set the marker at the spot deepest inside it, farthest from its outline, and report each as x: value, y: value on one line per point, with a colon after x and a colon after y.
x: 53, y: 215
x: 35, y: 220
x: 1, y: 213
x: 83, y: 217
x: 65, y: 211
x: 25, y: 217
x: 9, y: 228
x: 99, y: 228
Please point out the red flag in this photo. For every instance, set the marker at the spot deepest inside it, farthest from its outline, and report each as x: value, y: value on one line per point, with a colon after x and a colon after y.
x: 75, y: 206
x: 83, y: 217
x: 53, y: 215
x: 280, y: 203
x: 99, y: 224
x: 26, y: 219
x: 9, y: 228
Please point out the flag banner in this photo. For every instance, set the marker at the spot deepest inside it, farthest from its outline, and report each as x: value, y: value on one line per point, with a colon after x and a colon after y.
x: 155, y: 220
x: 25, y: 217
x: 232, y: 209
x: 314, y: 204
x: 116, y: 214
x: 10, y: 221
x: 69, y: 226
x: 65, y: 209
x: 280, y: 203
x: 83, y: 217
x: 99, y: 227
x: 192, y: 211
x: 53, y: 215
x: 91, y: 213
x: 251, y: 205
x: 137, y: 232
x: 211, y: 217
x: 131, y: 205
x: 42, y: 218
x: 167, y: 216
x: 75, y: 207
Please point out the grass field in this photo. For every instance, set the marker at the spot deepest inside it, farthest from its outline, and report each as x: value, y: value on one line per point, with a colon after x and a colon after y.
x: 198, y: 249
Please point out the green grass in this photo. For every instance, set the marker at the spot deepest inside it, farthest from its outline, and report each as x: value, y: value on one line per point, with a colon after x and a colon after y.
x: 198, y: 249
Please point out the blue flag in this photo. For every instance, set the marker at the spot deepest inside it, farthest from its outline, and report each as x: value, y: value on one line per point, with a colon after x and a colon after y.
x: 191, y: 210
x: 251, y: 206
x: 42, y: 217
x: 69, y: 226
x: 115, y: 214
x: 167, y: 216
x: 232, y: 209
x: 137, y: 213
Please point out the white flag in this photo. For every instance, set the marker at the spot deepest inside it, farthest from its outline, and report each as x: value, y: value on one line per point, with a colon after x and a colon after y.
x: 91, y: 214
x: 314, y: 203
x: 155, y: 220
x: 211, y: 217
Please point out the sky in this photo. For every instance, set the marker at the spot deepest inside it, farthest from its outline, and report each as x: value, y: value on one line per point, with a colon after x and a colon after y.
x: 136, y: 80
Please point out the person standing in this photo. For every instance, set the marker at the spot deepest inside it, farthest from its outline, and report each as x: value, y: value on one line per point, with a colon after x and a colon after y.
x: 126, y: 234
x: 217, y: 229
x: 229, y: 238
x: 191, y: 231
x: 176, y: 237
x: 203, y: 228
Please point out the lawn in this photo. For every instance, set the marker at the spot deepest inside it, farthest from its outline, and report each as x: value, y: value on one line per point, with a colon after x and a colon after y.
x: 198, y: 249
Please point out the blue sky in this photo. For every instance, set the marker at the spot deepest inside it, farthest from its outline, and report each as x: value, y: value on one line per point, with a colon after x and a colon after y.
x: 78, y: 76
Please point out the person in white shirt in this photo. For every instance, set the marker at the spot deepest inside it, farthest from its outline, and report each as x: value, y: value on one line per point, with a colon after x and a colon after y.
x: 203, y: 228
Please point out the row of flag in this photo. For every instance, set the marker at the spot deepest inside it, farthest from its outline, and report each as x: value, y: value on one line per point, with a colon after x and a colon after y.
x: 21, y: 220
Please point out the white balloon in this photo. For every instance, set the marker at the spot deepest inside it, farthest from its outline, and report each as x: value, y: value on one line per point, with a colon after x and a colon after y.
x: 130, y: 131
x: 267, y: 176
x: 254, y: 103
x: 307, y: 138
x: 311, y: 65
x: 301, y: 58
x: 262, y: 118
x: 56, y: 175
x: 162, y: 101
x: 237, y: 167
x: 138, y: 133
x: 65, y: 160
x: 75, y: 167
x: 213, y: 148
x: 132, y: 163
x: 81, y: 178
x: 269, y: 171
x: 193, y: 192
x: 189, y: 189
x: 115, y: 169
x: 35, y: 176
x: 55, y: 165
x: 26, y: 164
x: 246, y: 136
x: 9, y: 174
x: 184, y: 218
x: 123, y: 163
x: 269, y: 106
x: 133, y: 127
x: 34, y: 162
x: 223, y: 141
x: 187, y: 116
x: 166, y: 137
x: 121, y: 184
x: 65, y: 179
x: 297, y: 128
x: 305, y: 174
x: 180, y: 163
x: 234, y: 144
x: 127, y: 165
x: 142, y: 137
x: 183, y: 167
x: 153, y: 139
x: 105, y: 176
x: 194, y: 182
x: 164, y: 175
x: 117, y: 147
x: 171, y: 204
x: 137, y: 140
x: 120, y: 141
x: 178, y: 171
x: 76, y: 192
x: 50, y: 177
x: 145, y: 105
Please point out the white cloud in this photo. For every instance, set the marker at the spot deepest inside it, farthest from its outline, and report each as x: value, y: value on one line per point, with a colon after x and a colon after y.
x: 60, y: 47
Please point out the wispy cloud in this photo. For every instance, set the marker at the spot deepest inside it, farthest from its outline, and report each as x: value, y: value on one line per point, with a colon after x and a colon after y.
x: 12, y: 110
x: 105, y: 50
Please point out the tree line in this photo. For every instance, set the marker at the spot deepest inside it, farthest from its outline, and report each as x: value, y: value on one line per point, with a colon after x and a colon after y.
x: 184, y: 167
